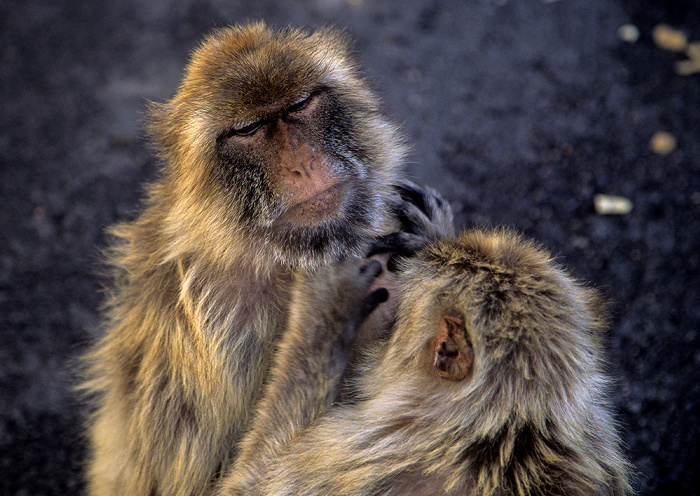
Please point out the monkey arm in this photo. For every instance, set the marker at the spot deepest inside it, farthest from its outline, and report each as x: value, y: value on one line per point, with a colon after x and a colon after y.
x: 326, y: 310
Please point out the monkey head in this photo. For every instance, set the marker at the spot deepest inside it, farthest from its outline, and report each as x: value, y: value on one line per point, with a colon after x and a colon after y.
x: 494, y: 315
x: 275, y: 140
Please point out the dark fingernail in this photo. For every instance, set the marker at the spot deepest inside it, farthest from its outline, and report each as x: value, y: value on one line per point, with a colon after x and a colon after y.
x: 379, y: 295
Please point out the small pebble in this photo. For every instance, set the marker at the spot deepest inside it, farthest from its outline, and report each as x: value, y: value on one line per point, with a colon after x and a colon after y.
x: 611, y: 205
x: 668, y: 38
x: 628, y: 33
x: 662, y: 143
x: 693, y: 50
x: 687, y: 67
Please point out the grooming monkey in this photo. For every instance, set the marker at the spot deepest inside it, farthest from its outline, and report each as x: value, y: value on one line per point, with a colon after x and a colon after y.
x: 492, y: 383
x: 277, y: 161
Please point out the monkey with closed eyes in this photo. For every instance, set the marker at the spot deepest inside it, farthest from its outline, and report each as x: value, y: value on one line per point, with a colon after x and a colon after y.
x: 492, y: 383
x: 276, y: 161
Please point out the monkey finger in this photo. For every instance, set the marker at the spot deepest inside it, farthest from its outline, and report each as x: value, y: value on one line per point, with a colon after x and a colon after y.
x: 390, y: 243
x: 416, y: 207
x: 412, y: 218
x: 439, y: 223
x: 373, y: 300
x: 398, y: 245
x: 376, y: 297
x: 411, y: 244
x: 408, y: 244
x: 433, y: 213
x: 395, y: 203
x: 413, y: 194
x: 425, y: 199
x: 405, y: 213
x: 371, y: 269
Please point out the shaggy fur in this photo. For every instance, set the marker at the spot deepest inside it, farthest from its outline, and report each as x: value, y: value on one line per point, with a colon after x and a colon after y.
x: 531, y: 418
x: 202, y: 276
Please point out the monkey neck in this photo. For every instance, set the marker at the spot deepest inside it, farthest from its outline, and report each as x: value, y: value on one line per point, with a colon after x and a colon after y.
x: 216, y: 261
x: 241, y: 285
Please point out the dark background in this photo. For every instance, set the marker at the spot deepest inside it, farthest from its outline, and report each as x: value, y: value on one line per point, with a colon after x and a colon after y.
x: 518, y: 111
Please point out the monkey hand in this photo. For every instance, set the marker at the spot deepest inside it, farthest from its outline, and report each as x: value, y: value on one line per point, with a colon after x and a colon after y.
x: 381, y: 319
x: 337, y: 299
x: 424, y: 217
x: 327, y: 309
x: 423, y: 211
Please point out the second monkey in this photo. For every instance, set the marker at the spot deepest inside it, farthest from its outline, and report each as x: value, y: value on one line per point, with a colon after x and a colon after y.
x: 492, y: 384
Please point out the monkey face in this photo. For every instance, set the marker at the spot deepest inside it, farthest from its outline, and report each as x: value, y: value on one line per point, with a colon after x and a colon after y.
x: 299, y: 162
x: 280, y: 140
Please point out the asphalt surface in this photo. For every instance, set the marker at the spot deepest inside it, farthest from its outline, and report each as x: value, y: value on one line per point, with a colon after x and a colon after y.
x: 518, y: 111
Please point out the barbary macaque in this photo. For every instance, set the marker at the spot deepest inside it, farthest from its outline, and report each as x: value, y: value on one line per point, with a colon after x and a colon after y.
x: 277, y: 161
x: 493, y: 382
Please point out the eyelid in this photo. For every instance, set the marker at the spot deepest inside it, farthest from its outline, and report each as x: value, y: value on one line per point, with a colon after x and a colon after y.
x: 245, y: 128
x: 242, y: 125
x: 300, y: 103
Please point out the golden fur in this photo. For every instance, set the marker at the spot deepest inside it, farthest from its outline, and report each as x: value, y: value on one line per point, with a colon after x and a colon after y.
x: 202, y: 275
x: 530, y: 418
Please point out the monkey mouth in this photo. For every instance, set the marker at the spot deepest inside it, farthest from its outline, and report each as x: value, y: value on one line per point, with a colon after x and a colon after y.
x: 327, y: 204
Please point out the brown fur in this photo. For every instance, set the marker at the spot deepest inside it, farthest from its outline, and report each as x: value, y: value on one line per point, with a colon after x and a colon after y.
x: 492, y: 383
x: 202, y: 276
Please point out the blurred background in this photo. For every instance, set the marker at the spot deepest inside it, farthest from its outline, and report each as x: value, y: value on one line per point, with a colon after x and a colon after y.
x: 520, y: 112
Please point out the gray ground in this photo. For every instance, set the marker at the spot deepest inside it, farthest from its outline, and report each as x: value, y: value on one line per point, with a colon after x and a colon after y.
x: 519, y: 111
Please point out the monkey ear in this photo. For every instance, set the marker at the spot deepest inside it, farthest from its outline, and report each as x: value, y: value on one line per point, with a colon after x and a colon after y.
x: 452, y: 354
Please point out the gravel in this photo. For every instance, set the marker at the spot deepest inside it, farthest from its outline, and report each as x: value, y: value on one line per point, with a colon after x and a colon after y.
x: 519, y: 111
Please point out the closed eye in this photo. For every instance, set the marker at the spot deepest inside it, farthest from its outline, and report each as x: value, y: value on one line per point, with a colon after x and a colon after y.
x: 300, y: 103
x: 245, y: 128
